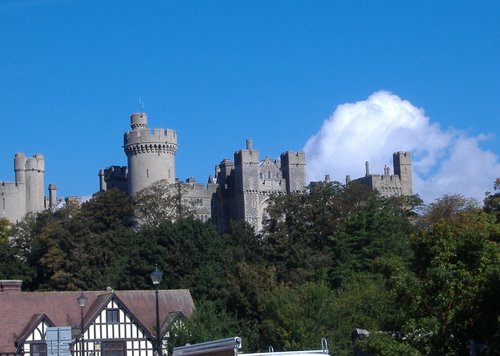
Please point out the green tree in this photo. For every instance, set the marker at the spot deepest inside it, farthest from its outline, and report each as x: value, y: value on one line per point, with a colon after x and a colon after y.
x: 385, y: 344
x: 362, y: 302
x: 163, y: 201
x: 382, y: 228
x: 78, y: 246
x: 210, y: 321
x: 492, y: 207
x: 297, y: 318
x: 297, y: 234
x: 11, y: 266
x: 242, y: 296
x: 448, y: 292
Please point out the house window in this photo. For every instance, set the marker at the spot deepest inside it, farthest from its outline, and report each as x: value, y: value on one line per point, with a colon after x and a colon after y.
x: 112, y: 316
x: 113, y: 348
x: 39, y: 349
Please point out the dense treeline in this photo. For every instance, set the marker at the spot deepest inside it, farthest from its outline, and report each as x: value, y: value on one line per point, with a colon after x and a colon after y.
x: 421, y: 279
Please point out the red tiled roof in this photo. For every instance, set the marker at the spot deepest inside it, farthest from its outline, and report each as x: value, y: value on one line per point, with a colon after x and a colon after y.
x: 17, y: 309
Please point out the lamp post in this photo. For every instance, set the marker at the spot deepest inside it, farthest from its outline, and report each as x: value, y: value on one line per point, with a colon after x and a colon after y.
x: 82, y: 301
x: 156, y: 277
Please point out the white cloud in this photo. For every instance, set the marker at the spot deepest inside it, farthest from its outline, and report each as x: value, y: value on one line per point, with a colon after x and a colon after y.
x: 444, y: 161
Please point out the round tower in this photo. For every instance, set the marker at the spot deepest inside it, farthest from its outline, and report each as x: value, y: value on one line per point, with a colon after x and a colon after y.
x: 35, y: 171
x: 150, y: 154
x: 20, y: 168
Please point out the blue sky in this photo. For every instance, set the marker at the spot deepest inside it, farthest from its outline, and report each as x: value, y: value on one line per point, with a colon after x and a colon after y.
x: 219, y: 72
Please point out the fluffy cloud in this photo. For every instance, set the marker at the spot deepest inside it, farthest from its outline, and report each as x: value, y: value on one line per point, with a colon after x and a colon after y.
x: 444, y: 161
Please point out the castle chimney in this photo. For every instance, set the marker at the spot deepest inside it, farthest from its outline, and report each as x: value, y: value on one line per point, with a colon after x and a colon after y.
x: 249, y: 144
x: 367, y: 167
x: 347, y: 179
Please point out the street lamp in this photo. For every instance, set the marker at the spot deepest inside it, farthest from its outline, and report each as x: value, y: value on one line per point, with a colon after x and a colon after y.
x: 82, y: 301
x: 156, y: 277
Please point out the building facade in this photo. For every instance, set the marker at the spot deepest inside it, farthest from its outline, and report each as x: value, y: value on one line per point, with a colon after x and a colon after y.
x: 115, y: 323
x: 26, y: 193
x: 245, y: 184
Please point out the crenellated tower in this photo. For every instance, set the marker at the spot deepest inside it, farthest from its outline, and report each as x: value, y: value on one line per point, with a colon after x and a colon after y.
x: 150, y: 154
x: 293, y: 165
x: 35, y: 174
x: 246, y: 163
x: 402, y: 168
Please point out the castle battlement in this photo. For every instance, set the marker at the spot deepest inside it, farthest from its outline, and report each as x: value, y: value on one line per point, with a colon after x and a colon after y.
x: 147, y: 136
x: 150, y: 147
x: 397, y: 184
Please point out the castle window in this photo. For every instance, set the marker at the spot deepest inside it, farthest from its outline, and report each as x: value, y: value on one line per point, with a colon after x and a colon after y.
x: 268, y: 174
x: 261, y: 176
x: 147, y: 173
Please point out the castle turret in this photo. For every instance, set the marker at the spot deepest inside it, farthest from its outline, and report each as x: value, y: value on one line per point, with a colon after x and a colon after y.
x: 35, y: 174
x: 402, y: 168
x: 150, y: 155
x: 20, y: 168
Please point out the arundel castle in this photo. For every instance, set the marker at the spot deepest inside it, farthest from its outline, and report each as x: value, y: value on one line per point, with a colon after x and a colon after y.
x: 239, y: 190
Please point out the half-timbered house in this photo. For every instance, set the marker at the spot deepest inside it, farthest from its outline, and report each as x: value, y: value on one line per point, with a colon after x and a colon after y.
x: 115, y: 323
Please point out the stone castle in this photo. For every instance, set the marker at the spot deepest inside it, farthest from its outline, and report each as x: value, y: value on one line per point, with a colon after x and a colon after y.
x: 239, y: 190
x: 241, y: 187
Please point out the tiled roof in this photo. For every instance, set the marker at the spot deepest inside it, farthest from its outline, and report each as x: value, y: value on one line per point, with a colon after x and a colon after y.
x: 18, y: 309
